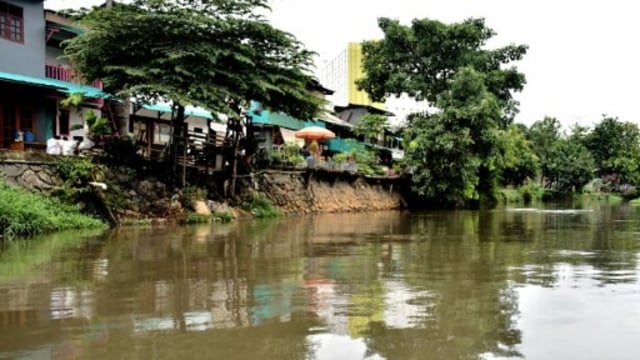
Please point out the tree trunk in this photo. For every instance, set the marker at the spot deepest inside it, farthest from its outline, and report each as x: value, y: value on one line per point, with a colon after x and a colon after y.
x: 237, y: 131
x: 177, y: 140
x: 121, y: 115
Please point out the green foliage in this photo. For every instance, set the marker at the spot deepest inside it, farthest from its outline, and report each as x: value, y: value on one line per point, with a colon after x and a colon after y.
x: 76, y: 174
x: 510, y: 196
x: 207, y: 53
x: 544, y: 135
x: 341, y: 158
x: 615, y: 146
x: 594, y: 186
x: 422, y: 60
x: 223, y: 216
x: 98, y: 126
x: 193, y: 193
x: 193, y: 218
x: 371, y: 126
x: 566, y: 164
x: 261, y: 207
x: 456, y: 153
x: 366, y: 159
x: 519, y: 162
x: 524, y: 194
x: 569, y: 166
x: 74, y: 99
x: 289, y: 154
x: 531, y: 191
x: 23, y: 214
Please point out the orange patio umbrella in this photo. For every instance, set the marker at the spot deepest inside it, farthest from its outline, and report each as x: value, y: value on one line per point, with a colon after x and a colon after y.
x: 315, y: 133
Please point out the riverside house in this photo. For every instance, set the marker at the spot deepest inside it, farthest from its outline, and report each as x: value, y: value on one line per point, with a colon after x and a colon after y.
x: 34, y: 79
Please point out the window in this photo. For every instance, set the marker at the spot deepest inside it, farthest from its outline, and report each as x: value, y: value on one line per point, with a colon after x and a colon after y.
x: 11, y: 22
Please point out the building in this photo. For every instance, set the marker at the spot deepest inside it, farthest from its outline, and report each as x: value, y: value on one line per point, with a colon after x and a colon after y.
x: 33, y: 78
x: 341, y: 74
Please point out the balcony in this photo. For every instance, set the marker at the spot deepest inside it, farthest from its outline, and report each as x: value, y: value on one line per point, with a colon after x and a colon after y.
x: 59, y: 72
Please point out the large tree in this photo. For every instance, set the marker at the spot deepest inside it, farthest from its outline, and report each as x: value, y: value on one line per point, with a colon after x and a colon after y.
x: 456, y: 150
x: 615, y: 146
x: 565, y: 162
x: 215, y: 54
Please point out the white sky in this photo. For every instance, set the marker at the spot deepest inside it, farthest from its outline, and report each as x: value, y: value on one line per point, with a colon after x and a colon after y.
x: 583, y: 55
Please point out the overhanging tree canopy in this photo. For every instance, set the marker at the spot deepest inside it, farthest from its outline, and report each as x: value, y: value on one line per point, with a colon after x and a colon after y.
x: 206, y: 53
x: 421, y: 60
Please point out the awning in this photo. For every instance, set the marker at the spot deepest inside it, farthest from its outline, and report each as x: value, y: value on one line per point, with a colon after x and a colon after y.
x: 289, y: 136
x: 61, y: 86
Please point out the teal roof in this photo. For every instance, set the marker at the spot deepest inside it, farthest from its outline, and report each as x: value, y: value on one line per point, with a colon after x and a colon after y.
x: 266, y: 117
x: 62, y: 86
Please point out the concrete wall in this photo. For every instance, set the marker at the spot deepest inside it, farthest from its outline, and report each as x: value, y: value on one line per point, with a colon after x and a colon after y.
x: 26, y: 58
x: 53, y: 54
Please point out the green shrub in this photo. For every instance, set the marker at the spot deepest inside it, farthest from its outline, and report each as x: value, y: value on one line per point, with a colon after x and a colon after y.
x: 23, y: 214
x: 594, y: 186
x: 510, y: 196
x: 341, y: 158
x: 223, y: 216
x: 531, y: 191
x: 260, y: 206
x: 194, y: 193
x: 76, y: 174
x: 193, y: 218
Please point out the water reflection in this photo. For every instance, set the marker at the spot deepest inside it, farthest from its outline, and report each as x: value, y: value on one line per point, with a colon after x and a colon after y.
x: 388, y: 285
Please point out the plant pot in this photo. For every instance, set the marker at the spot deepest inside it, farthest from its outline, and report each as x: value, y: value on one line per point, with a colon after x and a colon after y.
x: 17, y: 146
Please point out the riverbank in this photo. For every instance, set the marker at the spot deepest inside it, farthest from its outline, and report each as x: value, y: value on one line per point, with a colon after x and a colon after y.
x: 23, y: 213
x: 126, y: 195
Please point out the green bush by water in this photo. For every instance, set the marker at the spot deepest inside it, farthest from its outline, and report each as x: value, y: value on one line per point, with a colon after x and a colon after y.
x: 260, y: 206
x: 193, y: 218
x: 527, y: 193
x: 23, y: 213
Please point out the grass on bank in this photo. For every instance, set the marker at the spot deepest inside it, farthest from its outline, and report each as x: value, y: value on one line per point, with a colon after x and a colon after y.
x: 527, y: 193
x: 23, y: 213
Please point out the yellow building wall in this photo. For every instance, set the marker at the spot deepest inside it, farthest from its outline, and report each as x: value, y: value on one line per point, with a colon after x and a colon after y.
x: 354, y: 73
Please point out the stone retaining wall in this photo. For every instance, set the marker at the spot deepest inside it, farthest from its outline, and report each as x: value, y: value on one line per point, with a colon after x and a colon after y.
x: 304, y: 193
x: 37, y: 176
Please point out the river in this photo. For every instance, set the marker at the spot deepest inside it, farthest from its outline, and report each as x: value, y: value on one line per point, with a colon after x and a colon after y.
x: 495, y: 284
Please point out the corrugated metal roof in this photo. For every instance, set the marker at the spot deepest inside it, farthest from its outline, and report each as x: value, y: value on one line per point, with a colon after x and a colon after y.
x: 332, y: 119
x: 188, y: 110
x: 62, y: 86
x: 266, y: 117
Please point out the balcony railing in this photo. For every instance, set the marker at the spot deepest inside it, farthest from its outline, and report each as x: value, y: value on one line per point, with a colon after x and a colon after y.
x: 59, y: 72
